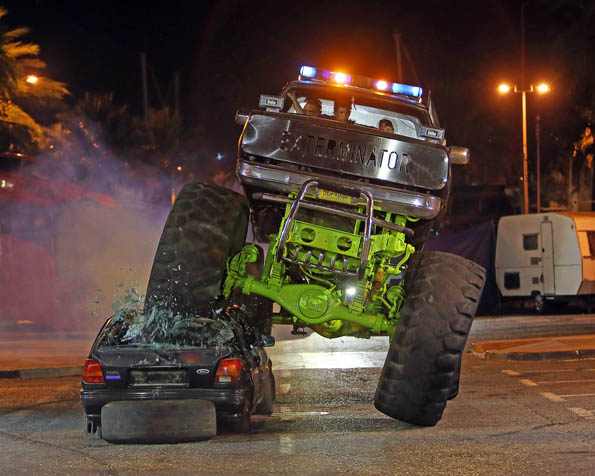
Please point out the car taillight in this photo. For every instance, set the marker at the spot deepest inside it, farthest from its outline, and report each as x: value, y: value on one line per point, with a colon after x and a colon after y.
x: 229, y: 371
x: 93, y: 373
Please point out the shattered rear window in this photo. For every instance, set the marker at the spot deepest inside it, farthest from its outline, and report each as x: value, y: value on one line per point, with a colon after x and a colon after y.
x: 163, y: 329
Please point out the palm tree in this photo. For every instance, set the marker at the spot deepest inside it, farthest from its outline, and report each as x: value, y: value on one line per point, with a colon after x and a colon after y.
x: 18, y: 61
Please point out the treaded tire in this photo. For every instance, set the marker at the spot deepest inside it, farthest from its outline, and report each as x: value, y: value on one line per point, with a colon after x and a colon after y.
x: 206, y: 226
x: 423, y: 363
x: 158, y: 421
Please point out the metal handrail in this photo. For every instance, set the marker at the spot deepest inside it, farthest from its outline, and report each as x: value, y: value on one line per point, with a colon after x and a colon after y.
x: 269, y: 197
x: 368, y: 218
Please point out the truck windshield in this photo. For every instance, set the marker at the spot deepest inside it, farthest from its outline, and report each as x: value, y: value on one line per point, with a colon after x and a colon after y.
x: 366, y: 109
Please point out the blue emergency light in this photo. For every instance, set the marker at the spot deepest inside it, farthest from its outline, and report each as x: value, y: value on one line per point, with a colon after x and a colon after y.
x: 360, y: 81
x: 414, y: 91
x: 307, y: 71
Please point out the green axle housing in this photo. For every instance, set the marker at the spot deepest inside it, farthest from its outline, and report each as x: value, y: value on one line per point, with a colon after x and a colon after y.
x: 334, y: 296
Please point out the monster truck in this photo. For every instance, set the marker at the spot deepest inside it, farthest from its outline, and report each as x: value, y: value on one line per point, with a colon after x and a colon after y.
x: 345, y: 208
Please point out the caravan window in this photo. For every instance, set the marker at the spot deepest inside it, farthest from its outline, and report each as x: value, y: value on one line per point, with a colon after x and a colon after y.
x: 530, y: 242
x: 591, y: 238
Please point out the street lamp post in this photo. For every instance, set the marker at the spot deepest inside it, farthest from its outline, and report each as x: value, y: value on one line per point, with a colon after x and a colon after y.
x: 542, y: 88
x: 537, y: 141
x: 525, y: 166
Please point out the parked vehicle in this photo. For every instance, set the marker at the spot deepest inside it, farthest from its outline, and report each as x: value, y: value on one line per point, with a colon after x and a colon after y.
x: 546, y: 256
x: 346, y: 207
x: 161, y: 358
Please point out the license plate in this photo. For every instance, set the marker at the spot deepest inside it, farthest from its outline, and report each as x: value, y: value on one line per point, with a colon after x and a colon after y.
x: 160, y: 377
x: 333, y: 196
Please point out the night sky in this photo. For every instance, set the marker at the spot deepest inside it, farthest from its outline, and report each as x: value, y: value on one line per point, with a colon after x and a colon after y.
x: 228, y: 52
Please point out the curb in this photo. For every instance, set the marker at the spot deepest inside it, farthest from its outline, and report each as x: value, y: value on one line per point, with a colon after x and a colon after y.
x: 573, y: 347
x: 578, y: 354
x: 43, y: 372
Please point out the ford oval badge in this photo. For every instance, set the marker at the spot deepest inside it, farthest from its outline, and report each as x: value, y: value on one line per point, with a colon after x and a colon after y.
x: 202, y: 371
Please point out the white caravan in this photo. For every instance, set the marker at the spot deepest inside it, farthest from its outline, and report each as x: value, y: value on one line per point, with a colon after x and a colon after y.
x: 546, y: 256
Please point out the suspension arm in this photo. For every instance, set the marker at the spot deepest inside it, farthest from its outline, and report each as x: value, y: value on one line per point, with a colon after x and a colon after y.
x: 313, y: 304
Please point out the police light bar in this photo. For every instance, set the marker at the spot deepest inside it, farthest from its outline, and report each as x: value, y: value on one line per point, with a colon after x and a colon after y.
x: 359, y: 81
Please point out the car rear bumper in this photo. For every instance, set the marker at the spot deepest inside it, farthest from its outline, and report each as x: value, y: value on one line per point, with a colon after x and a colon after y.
x: 228, y: 402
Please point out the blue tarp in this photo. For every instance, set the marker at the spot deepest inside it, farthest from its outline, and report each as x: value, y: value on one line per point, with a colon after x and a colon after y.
x: 477, y: 243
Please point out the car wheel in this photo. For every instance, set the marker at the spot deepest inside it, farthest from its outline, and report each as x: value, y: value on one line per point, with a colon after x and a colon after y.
x: 206, y: 226
x: 158, y: 421
x: 540, y: 303
x: 423, y: 364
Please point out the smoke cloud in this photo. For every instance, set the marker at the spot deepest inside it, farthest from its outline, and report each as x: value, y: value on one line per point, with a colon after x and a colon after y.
x: 74, y: 234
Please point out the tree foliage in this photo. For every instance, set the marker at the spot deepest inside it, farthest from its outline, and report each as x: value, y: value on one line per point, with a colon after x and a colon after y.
x: 18, y: 92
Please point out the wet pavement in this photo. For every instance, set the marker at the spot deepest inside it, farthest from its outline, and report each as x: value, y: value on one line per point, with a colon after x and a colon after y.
x: 529, y: 418
x: 29, y: 352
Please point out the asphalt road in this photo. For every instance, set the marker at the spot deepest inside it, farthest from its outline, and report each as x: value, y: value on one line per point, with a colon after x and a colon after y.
x: 529, y: 418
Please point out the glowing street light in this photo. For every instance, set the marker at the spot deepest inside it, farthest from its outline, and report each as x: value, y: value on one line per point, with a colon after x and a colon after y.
x: 504, y: 88
x: 32, y: 79
x: 542, y: 89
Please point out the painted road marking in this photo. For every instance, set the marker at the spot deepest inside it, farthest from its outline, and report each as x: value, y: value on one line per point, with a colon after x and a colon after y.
x: 286, y: 414
x: 528, y: 382
x: 329, y: 360
x: 565, y: 381
x: 286, y: 444
x: 579, y: 395
x: 587, y: 414
x: 510, y: 372
x: 552, y: 397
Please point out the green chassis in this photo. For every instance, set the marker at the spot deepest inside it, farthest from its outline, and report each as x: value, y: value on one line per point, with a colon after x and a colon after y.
x: 358, y: 303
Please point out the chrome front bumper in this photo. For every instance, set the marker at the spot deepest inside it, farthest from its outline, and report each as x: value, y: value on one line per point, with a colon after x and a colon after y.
x: 277, y: 179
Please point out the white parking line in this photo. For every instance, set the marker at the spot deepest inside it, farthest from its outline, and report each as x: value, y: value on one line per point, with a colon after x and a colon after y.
x: 587, y: 414
x: 579, y: 395
x: 329, y: 360
x: 528, y: 382
x: 552, y: 397
x: 510, y: 372
x: 286, y: 445
x: 285, y: 413
x: 565, y: 381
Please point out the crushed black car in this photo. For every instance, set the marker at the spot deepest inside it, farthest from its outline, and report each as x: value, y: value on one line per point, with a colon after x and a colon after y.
x: 161, y: 356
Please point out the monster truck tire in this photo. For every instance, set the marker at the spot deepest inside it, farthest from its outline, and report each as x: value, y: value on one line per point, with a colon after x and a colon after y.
x: 421, y: 369
x: 158, y: 421
x: 206, y: 226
